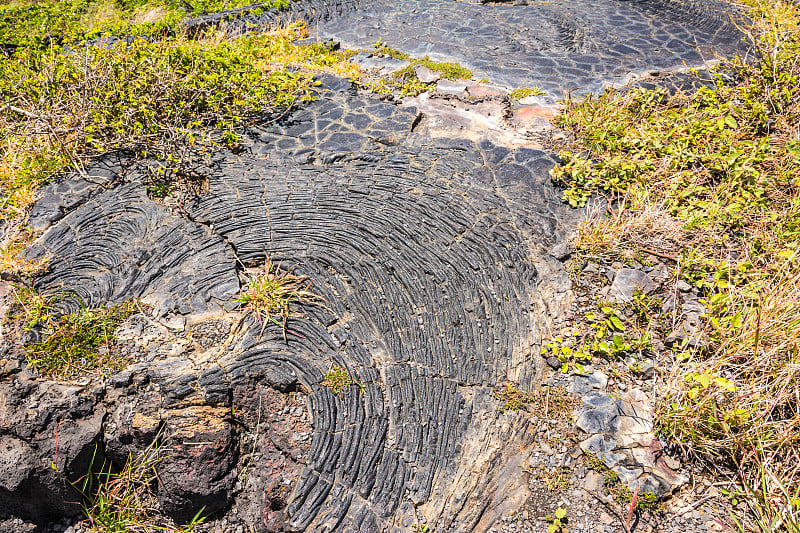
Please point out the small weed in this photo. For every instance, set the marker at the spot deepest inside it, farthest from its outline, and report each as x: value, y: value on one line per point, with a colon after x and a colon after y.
x: 610, y: 479
x: 78, y: 343
x: 595, y: 463
x: 558, y: 522
x: 524, y: 92
x: 160, y: 190
x: 272, y: 293
x: 556, y: 479
x: 407, y: 83
x: 338, y: 379
x: 608, y: 334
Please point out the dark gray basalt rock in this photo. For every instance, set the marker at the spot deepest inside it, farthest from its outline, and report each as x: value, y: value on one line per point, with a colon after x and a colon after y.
x: 118, y: 244
x: 620, y: 429
x: 198, y: 468
x: 431, y: 256
x: 50, y: 436
x: 563, y: 46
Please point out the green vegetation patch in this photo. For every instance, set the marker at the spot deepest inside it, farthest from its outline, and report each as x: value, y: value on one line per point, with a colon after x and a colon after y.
x: 556, y: 479
x: 405, y: 80
x: 710, y: 182
x: 36, y: 24
x: 524, y: 92
x: 512, y: 398
x: 553, y: 402
x: 124, y: 502
x: 613, y: 331
x: 337, y: 379
x: 80, y: 342
x: 272, y: 293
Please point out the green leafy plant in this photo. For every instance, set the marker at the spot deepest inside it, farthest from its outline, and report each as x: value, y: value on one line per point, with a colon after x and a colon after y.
x: 558, y: 522
x: 38, y: 24
x: 555, y: 479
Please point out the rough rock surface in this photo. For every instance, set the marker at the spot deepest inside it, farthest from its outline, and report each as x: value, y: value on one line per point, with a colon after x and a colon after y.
x: 562, y: 46
x: 433, y: 235
x: 430, y: 255
x: 49, y: 437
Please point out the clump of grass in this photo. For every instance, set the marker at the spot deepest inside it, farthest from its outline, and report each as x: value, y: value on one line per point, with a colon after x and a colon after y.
x: 80, y: 342
x: 337, y: 379
x: 272, y: 293
x: 524, y: 92
x: 124, y: 501
x: 513, y: 399
x: 35, y: 308
x: 711, y: 180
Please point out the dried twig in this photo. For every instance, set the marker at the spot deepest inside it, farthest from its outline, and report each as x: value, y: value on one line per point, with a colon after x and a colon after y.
x: 611, y: 506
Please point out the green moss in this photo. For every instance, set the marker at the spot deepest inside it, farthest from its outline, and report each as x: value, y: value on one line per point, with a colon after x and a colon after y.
x: 447, y: 70
x: 337, y: 379
x: 72, y: 342
x: 524, y: 92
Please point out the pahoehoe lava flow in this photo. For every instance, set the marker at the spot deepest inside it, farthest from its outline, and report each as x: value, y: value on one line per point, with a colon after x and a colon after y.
x: 430, y: 254
x: 562, y: 46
